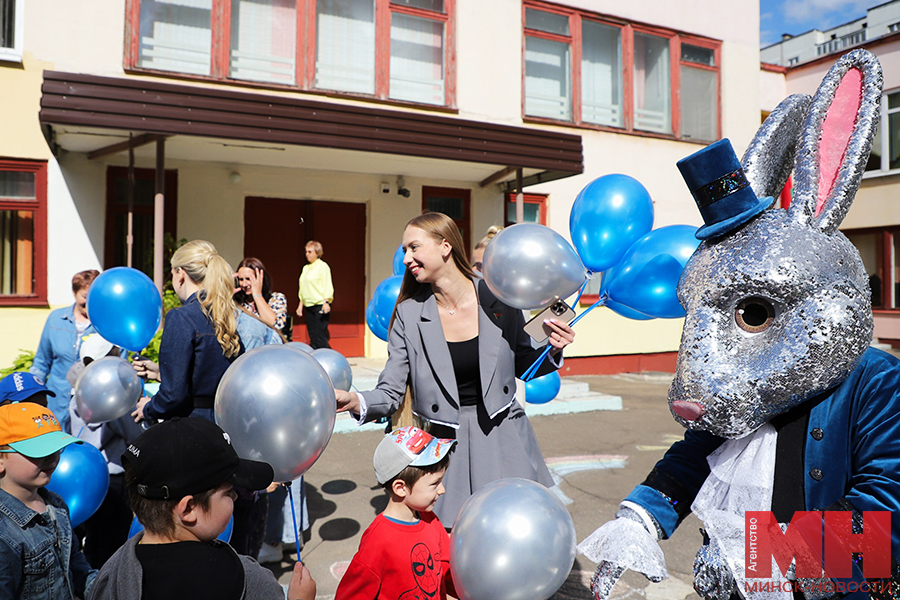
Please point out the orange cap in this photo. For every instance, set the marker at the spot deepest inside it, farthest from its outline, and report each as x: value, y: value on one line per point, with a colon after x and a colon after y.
x: 32, y: 430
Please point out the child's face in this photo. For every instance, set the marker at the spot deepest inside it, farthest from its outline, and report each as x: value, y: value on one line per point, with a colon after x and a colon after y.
x: 425, y: 492
x: 24, y: 472
x: 212, y: 522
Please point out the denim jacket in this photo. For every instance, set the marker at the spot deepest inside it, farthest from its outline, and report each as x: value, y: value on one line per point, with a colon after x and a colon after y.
x: 191, y: 363
x: 40, y: 557
x: 56, y: 353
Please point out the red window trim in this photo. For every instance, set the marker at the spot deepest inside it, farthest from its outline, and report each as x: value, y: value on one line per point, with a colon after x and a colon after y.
x: 539, y: 199
x: 39, y: 207
x: 628, y: 30
x: 306, y: 52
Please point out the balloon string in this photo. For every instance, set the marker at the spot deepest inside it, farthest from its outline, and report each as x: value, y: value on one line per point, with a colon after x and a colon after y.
x: 294, y: 516
x: 533, y: 369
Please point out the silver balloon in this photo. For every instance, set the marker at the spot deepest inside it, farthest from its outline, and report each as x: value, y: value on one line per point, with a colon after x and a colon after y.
x: 300, y: 346
x: 107, y: 389
x: 513, y: 540
x: 337, y: 367
x: 529, y: 266
x: 278, y: 406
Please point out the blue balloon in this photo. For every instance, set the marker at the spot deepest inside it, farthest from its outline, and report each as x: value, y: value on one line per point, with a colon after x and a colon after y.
x: 375, y: 326
x: 225, y: 536
x: 125, y: 307
x: 399, y: 267
x: 646, y: 280
x: 82, y: 479
x: 543, y: 389
x: 607, y: 217
x: 628, y: 313
x: 385, y: 298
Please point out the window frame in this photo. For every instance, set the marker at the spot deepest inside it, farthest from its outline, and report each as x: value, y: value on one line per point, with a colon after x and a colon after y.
x: 14, y: 53
x: 885, y: 139
x: 39, y: 207
x: 539, y: 199
x: 627, y: 31
x: 884, y: 251
x: 305, y: 51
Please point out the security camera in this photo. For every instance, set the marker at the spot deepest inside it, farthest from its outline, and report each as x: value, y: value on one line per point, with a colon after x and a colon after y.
x: 403, y: 192
x: 385, y: 187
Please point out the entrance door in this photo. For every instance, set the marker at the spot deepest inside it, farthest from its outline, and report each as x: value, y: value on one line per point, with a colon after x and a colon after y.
x: 276, y: 232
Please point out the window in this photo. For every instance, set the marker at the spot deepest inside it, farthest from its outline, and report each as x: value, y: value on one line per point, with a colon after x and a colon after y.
x: 879, y: 249
x: 23, y: 233
x: 390, y: 49
x: 593, y: 71
x: 12, y: 28
x: 535, y: 208
x: 116, y: 249
x: 885, y: 155
x: 452, y: 202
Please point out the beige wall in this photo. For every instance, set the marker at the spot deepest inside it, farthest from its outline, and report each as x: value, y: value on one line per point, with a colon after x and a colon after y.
x: 772, y: 90
x: 20, y: 101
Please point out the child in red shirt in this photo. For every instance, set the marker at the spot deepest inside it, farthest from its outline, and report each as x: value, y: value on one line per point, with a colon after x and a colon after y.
x: 405, y: 553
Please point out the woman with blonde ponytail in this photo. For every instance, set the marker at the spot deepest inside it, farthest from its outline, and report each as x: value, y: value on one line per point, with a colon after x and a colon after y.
x: 200, y: 338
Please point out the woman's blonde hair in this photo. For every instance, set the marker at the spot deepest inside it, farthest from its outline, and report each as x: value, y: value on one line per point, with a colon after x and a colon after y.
x: 215, y: 277
x: 491, y: 232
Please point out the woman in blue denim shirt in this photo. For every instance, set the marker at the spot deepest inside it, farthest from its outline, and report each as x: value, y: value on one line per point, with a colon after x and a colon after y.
x: 60, y: 341
x: 200, y: 339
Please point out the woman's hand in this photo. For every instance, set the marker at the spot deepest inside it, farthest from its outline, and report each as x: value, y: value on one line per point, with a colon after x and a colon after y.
x: 561, y: 336
x: 326, y: 307
x: 300, y: 310
x: 347, y: 401
x: 146, y: 369
x: 138, y: 413
x: 256, y: 283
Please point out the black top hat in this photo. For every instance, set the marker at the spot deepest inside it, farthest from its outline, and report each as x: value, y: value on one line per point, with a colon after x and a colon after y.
x: 184, y: 457
x: 720, y: 189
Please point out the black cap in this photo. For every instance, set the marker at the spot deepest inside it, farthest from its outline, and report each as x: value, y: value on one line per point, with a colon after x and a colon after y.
x: 183, y: 457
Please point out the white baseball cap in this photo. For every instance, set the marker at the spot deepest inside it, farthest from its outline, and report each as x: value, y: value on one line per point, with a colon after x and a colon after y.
x: 408, y: 446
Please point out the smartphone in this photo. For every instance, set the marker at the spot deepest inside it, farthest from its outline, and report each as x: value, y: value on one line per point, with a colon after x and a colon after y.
x: 536, y: 328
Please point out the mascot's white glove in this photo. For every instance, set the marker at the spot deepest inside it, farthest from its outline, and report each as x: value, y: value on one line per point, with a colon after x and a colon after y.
x: 630, y: 541
x: 712, y: 577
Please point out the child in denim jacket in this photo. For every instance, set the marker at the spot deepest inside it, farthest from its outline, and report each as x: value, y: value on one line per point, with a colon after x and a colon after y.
x: 40, y: 557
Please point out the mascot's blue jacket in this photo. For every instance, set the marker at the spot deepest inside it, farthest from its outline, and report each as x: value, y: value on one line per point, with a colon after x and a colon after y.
x: 851, y: 453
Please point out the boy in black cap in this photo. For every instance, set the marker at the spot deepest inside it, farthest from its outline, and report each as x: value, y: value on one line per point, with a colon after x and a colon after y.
x: 179, y: 475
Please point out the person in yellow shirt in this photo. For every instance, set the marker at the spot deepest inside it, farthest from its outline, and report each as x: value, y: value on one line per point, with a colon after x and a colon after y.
x: 316, y: 295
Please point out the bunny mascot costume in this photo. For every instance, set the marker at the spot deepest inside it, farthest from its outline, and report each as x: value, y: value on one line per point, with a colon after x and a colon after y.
x: 786, y: 407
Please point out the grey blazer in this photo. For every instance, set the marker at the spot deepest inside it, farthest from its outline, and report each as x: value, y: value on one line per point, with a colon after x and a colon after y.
x: 418, y: 353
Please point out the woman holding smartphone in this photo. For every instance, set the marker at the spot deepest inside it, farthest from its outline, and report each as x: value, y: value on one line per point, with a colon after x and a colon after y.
x: 460, y: 349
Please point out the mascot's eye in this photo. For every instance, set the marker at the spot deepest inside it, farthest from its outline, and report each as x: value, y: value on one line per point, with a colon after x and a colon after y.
x: 754, y: 314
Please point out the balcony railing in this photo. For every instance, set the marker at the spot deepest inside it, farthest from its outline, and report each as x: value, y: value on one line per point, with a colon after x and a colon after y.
x: 848, y: 41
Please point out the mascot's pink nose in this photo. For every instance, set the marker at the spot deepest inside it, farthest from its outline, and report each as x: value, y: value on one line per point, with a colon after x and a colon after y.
x: 687, y: 410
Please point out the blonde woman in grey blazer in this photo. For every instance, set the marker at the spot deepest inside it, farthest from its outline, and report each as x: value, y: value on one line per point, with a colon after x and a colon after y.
x: 459, y: 349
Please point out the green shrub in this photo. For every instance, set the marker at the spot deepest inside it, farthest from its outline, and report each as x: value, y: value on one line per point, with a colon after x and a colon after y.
x: 22, y: 362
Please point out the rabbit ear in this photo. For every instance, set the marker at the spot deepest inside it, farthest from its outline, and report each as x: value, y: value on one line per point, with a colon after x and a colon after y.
x: 837, y: 138
x: 769, y: 158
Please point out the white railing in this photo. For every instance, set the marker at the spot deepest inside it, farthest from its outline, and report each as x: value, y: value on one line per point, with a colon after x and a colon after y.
x: 847, y: 41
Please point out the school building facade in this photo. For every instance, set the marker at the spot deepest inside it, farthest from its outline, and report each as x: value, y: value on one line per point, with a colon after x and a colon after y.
x: 266, y: 123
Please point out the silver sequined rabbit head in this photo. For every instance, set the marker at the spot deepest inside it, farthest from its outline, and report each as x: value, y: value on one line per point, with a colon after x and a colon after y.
x: 779, y: 310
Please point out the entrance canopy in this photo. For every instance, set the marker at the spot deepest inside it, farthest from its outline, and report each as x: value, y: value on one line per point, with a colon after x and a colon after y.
x: 95, y: 115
